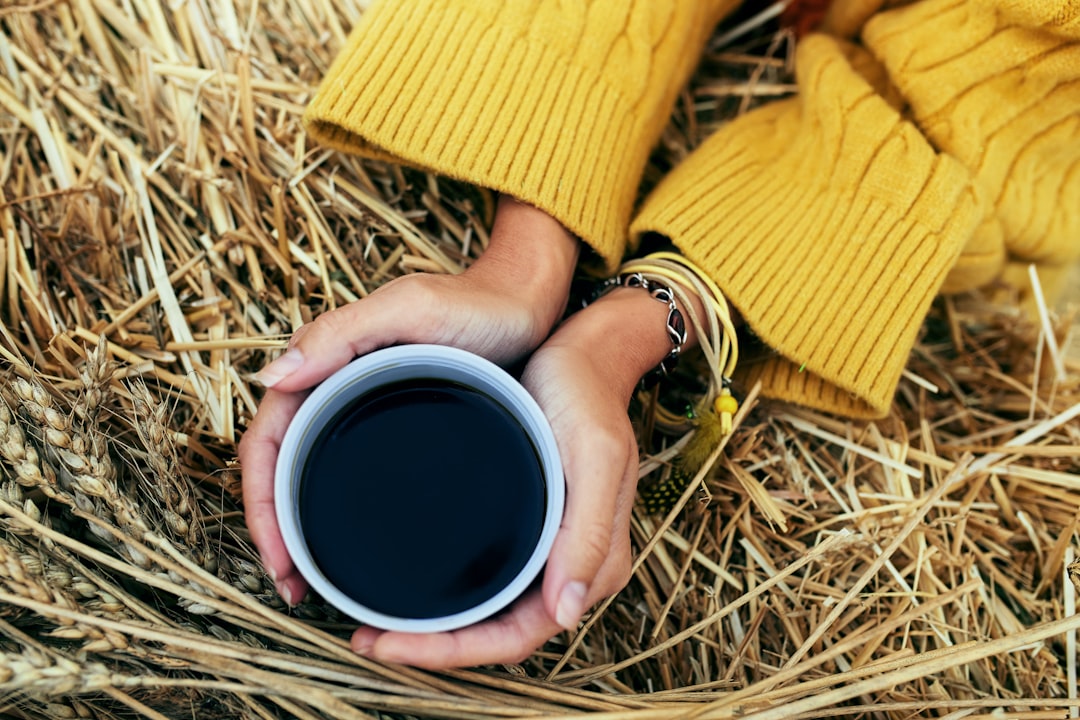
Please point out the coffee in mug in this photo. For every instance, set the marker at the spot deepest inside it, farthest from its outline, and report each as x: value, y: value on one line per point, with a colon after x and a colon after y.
x: 419, y: 489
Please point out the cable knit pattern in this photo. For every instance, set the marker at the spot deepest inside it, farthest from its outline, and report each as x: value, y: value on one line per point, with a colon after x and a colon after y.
x: 997, y: 84
x: 555, y: 102
x: 803, y: 210
x: 830, y: 222
x: 943, y: 153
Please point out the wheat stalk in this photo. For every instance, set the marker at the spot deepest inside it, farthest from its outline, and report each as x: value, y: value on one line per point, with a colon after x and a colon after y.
x: 84, y: 466
x: 22, y: 456
x: 165, y: 223
x: 169, y: 487
x: 37, y: 674
x: 79, y: 452
x: 25, y: 574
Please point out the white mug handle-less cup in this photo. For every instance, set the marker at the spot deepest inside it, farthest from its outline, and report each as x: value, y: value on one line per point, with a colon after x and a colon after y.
x: 379, y: 369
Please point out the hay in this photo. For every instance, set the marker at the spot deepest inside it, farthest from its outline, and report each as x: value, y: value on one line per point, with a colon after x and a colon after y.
x: 165, y: 226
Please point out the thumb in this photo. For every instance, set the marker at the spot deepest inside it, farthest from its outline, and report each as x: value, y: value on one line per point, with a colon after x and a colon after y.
x: 325, y: 345
x: 574, y: 577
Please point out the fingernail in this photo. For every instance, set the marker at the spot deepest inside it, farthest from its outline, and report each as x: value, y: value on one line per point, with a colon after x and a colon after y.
x: 571, y: 605
x: 364, y: 649
x: 281, y: 368
x: 285, y: 593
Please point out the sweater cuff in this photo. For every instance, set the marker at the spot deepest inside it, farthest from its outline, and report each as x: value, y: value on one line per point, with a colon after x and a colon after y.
x: 830, y: 223
x: 495, y: 101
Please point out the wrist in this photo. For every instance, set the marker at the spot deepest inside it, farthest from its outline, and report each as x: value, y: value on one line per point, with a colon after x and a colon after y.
x: 531, y: 257
x: 626, y: 334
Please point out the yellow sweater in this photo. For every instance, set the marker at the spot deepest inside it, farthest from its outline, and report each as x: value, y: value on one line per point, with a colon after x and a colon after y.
x: 931, y: 148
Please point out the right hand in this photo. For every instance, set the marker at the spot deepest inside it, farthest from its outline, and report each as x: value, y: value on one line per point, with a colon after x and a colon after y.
x: 501, y: 308
x: 583, y: 377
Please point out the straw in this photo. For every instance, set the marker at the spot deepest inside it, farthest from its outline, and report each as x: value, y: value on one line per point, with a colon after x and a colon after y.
x: 165, y: 225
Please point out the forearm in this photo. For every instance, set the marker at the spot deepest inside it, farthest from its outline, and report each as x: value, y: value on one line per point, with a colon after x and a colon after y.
x: 453, y: 86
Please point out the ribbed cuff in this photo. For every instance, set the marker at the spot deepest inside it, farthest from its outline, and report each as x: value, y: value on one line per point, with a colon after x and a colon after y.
x: 512, y: 114
x: 830, y: 224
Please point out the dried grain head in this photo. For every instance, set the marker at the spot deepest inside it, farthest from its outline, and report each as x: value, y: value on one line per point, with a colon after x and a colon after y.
x: 95, y: 375
x: 166, y: 487
x: 157, y: 189
x: 26, y: 573
x: 37, y: 674
x: 21, y: 455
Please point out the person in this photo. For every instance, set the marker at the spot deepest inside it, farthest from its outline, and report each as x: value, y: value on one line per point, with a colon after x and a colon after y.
x: 933, y: 146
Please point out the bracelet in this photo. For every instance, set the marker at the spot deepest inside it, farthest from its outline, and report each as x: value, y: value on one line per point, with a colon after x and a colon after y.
x: 716, y: 332
x: 675, y: 324
x: 711, y: 418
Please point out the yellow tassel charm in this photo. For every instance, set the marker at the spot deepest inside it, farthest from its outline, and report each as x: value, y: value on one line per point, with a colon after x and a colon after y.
x: 726, y: 406
x: 710, y: 427
x: 717, y: 337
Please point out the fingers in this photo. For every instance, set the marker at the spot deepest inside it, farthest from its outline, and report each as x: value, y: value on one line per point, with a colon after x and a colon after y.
x: 315, y: 351
x: 507, y: 638
x: 258, y: 454
x: 591, y: 555
x: 590, y: 558
x: 399, y: 312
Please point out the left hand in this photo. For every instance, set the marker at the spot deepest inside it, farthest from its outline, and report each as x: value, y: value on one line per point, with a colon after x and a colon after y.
x: 582, y: 378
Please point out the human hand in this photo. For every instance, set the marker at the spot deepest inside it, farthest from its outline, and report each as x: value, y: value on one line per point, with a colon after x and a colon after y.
x: 501, y: 308
x: 582, y: 378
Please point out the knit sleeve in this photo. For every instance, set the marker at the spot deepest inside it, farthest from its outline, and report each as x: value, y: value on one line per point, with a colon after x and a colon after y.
x: 555, y: 102
x: 829, y: 222
x: 996, y: 84
x: 832, y: 219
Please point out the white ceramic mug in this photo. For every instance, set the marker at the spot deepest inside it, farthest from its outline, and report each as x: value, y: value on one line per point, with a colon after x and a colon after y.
x: 377, y: 370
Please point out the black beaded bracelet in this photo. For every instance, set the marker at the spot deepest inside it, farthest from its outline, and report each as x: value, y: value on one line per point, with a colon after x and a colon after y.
x: 675, y: 325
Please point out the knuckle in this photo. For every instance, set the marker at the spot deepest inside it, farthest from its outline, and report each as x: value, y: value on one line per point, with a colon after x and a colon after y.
x: 621, y: 574
x: 594, y: 543
x: 615, y: 575
x: 334, y: 327
x: 617, y: 440
x: 298, y: 333
x: 329, y: 323
x: 607, y: 450
x: 521, y: 656
x: 242, y: 450
x: 419, y: 302
x: 415, y: 288
x: 248, y: 444
x: 526, y: 641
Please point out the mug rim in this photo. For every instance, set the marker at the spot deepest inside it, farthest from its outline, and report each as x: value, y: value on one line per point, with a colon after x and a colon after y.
x: 376, y: 369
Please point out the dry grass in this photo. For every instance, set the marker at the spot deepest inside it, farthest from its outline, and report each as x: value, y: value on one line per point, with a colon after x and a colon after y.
x: 164, y: 225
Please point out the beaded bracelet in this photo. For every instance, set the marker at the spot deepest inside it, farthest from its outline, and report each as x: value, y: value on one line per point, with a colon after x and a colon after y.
x: 711, y: 418
x: 675, y: 325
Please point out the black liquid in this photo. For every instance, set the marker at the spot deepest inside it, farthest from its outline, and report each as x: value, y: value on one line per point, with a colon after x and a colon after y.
x: 422, y: 499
